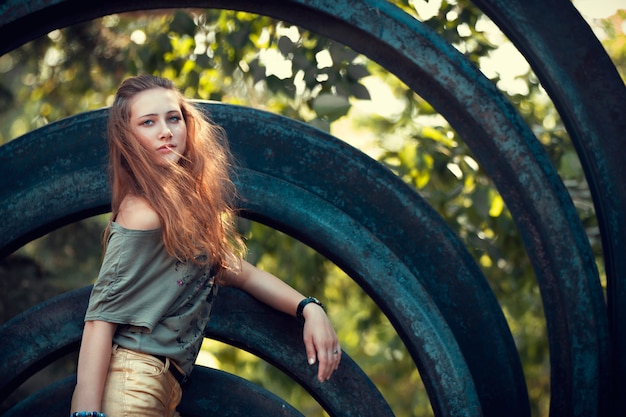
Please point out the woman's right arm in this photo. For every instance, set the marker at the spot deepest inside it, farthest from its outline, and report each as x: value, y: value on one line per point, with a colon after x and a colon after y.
x: 93, y: 365
x: 95, y: 350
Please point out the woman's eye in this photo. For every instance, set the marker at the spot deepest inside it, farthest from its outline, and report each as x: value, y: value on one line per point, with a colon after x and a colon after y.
x: 175, y: 119
x: 147, y: 123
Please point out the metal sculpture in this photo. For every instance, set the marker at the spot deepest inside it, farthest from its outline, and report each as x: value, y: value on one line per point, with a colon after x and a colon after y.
x: 282, y: 163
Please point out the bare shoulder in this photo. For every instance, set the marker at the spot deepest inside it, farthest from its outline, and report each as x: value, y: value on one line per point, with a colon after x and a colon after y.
x: 137, y: 214
x: 237, y: 277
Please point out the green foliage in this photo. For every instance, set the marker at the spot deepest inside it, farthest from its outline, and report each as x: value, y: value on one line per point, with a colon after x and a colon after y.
x: 240, y: 58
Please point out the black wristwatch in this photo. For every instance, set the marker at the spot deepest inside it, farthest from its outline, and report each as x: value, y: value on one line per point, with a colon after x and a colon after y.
x: 303, y: 304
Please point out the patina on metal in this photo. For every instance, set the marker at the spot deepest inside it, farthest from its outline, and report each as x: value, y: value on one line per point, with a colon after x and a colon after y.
x: 579, y: 78
x: 211, y: 391
x: 589, y: 95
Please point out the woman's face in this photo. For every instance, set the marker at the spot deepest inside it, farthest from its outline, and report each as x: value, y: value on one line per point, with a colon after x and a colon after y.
x: 157, y: 122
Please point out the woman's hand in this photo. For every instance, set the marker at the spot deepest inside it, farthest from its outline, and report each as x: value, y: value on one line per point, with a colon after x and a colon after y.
x: 320, y: 341
x: 319, y: 336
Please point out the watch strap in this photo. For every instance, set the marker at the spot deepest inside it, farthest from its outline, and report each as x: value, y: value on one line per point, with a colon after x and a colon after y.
x: 304, y: 303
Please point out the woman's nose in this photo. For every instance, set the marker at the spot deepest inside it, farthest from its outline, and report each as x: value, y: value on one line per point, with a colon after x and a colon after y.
x: 166, y: 133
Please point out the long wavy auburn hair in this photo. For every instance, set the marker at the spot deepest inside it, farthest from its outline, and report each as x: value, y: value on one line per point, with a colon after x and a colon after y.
x: 194, y: 198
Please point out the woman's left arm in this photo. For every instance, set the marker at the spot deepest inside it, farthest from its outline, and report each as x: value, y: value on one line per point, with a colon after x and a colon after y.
x: 319, y: 335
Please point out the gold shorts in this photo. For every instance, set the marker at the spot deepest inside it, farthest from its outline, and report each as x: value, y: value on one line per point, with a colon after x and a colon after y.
x: 139, y: 384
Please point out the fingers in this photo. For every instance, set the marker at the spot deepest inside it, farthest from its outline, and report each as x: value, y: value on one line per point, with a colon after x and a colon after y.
x: 321, y: 343
x: 329, y: 360
x: 311, y: 354
x: 327, y: 352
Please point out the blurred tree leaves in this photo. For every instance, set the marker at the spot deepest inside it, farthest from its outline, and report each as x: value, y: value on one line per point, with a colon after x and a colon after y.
x: 257, y: 61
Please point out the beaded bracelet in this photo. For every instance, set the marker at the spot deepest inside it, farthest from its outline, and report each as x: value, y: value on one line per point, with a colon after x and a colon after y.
x: 87, y: 414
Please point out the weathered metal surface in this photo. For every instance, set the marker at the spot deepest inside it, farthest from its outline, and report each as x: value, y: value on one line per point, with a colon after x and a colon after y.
x: 45, y: 178
x: 229, y: 395
x: 40, y: 335
x: 591, y: 99
x: 213, y: 392
x: 54, y: 399
x: 578, y: 326
x: 53, y: 328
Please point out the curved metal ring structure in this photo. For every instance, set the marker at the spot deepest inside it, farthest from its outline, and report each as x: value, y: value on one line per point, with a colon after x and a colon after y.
x: 586, y: 89
x: 508, y: 151
x: 267, y: 333
x: 281, y: 163
x: 229, y: 395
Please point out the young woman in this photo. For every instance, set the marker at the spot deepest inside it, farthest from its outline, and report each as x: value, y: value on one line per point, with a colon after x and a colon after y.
x: 170, y: 243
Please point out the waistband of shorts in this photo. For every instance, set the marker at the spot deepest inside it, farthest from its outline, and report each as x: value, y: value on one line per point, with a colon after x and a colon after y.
x: 178, y: 375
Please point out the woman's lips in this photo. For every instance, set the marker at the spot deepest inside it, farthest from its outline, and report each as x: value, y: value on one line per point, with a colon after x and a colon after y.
x: 166, y: 148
